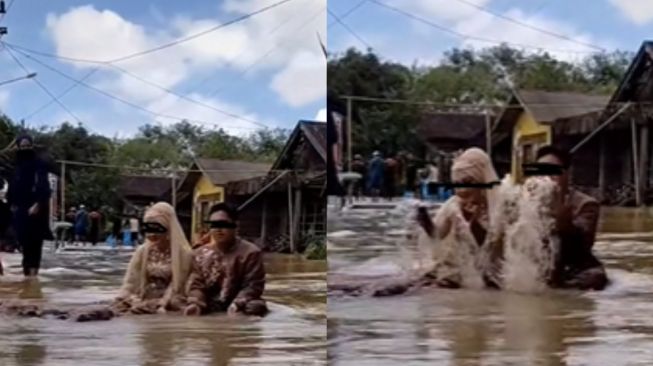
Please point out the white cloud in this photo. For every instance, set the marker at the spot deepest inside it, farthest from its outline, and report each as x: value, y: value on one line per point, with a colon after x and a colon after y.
x: 487, y: 26
x: 469, y: 20
x: 88, y: 33
x: 446, y: 10
x: 321, y: 115
x: 639, y: 12
x: 303, y: 80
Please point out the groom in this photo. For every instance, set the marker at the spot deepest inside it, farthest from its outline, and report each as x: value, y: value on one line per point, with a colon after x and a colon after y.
x: 576, y: 223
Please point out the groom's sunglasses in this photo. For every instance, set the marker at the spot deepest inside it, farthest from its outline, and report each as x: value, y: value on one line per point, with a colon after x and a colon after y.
x: 433, y: 188
x: 542, y: 169
x: 221, y: 224
x: 154, y: 228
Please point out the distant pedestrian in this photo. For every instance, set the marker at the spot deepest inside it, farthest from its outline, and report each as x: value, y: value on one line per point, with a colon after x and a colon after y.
x: 81, y: 224
x: 134, y: 228
x: 376, y: 168
x: 95, y: 219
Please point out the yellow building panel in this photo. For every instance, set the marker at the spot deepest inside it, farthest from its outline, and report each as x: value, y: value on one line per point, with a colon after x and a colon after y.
x: 205, y: 195
x: 528, y: 136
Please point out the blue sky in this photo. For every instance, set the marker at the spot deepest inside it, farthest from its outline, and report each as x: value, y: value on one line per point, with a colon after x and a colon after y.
x: 607, y: 24
x: 268, y: 69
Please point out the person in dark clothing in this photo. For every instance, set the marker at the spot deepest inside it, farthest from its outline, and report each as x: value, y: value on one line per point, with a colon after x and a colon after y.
x: 411, y: 174
x: 28, y: 196
x: 576, y: 224
x: 376, y: 169
x: 94, y: 231
x: 390, y: 178
x: 81, y: 224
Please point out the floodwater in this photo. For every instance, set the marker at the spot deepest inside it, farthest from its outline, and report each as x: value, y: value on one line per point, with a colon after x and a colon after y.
x: 294, y: 333
x: 464, y: 327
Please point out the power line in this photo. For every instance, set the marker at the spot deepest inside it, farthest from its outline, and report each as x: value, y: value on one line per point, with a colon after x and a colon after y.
x: 530, y: 26
x: 4, y: 15
x: 61, y: 95
x: 42, y: 86
x: 166, y: 45
x: 196, y: 35
x: 109, y: 95
x: 348, y: 13
x: 271, y: 50
x: 485, y: 105
x: 229, y: 114
x: 180, y: 96
x: 351, y: 31
x: 467, y: 36
x: 231, y: 60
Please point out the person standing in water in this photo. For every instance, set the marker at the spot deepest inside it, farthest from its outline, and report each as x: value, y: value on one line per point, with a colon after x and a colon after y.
x: 576, y: 224
x: 94, y: 232
x: 134, y: 228
x: 228, y: 274
x: 376, y: 170
x: 81, y: 224
x: 28, y: 197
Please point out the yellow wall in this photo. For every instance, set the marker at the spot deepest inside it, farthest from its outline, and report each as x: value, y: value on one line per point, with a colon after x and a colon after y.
x: 205, y: 195
x: 527, y: 130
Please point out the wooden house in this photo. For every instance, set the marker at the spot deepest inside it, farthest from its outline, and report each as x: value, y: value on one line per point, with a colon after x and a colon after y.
x: 204, y: 185
x: 445, y: 133
x: 289, y: 203
x: 534, y: 118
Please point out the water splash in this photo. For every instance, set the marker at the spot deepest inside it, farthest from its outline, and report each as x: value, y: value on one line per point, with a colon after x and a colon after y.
x: 526, y: 222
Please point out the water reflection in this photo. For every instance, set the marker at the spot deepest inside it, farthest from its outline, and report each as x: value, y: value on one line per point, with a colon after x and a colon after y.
x: 31, y: 354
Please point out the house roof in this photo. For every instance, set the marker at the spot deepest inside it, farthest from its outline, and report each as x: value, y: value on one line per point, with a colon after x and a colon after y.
x: 637, y: 83
x: 547, y: 108
x: 221, y: 172
x: 451, y: 126
x: 143, y: 186
x: 315, y: 133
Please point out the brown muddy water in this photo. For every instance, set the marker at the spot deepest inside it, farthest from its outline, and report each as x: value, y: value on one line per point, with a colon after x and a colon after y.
x: 463, y: 327
x: 294, y: 333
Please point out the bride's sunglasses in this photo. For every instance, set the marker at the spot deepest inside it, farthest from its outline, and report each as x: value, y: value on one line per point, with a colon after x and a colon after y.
x: 154, y: 228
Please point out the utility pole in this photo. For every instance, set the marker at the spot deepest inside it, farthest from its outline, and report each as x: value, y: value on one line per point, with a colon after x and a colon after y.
x: 3, y: 11
x: 349, y: 134
x: 174, y: 191
x: 488, y: 133
x: 63, y: 191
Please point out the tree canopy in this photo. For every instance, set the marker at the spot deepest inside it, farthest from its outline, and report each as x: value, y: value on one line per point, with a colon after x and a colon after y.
x: 154, y: 149
x: 462, y: 76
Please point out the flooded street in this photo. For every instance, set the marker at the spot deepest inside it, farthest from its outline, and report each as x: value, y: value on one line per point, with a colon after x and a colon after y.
x: 462, y: 327
x: 294, y: 333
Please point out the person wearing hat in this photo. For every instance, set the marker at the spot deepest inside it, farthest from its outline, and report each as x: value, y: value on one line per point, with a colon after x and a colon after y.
x: 29, y: 196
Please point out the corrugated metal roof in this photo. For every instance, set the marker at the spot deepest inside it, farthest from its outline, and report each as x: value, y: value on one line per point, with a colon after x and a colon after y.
x: 221, y: 172
x: 547, y: 107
